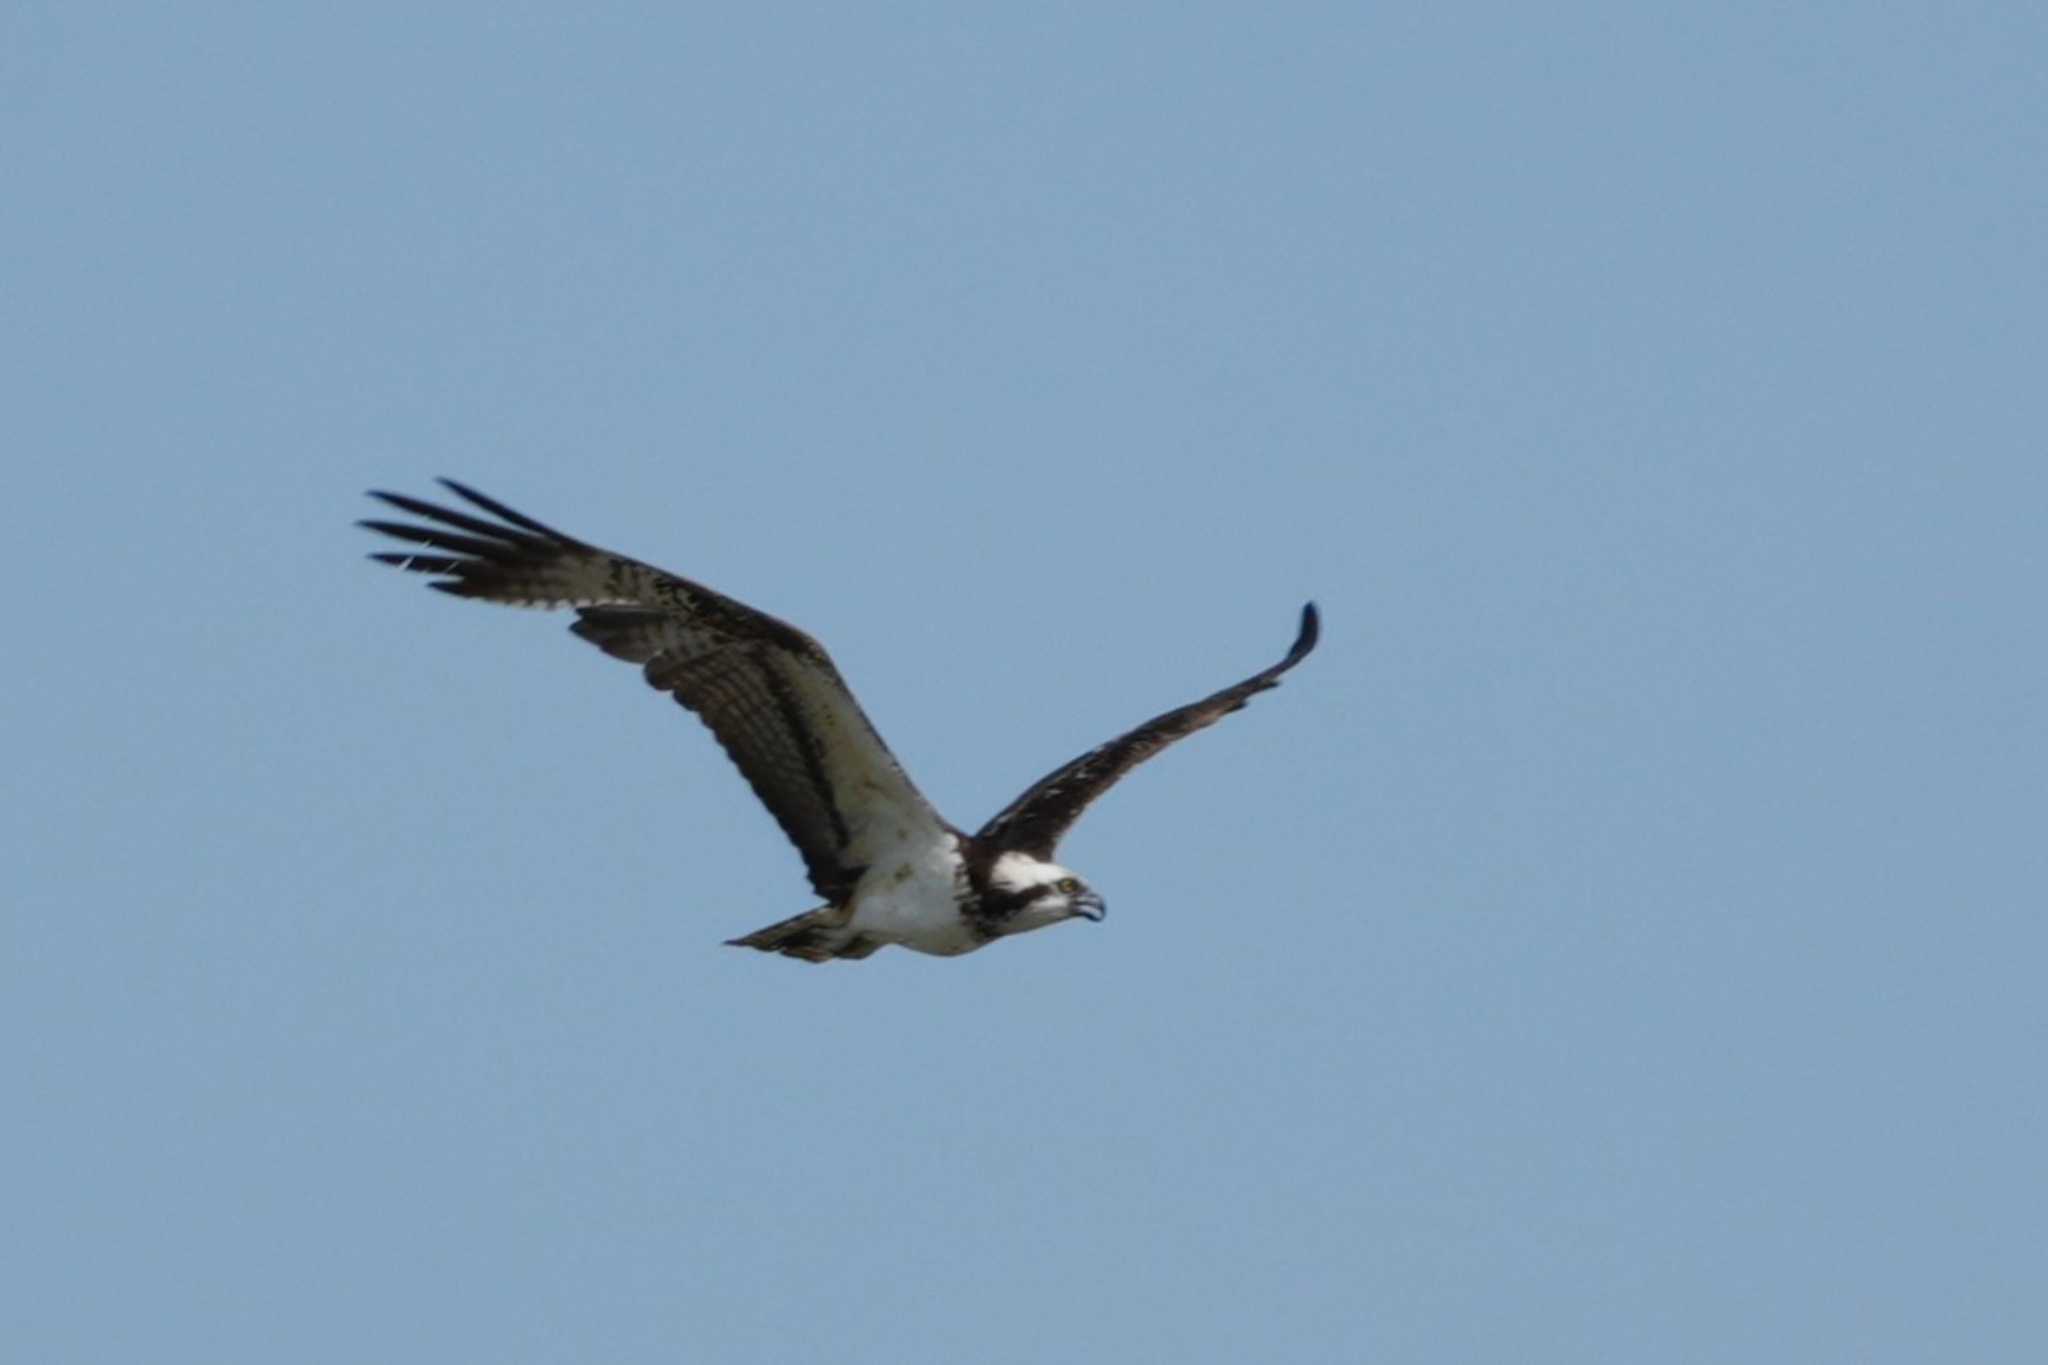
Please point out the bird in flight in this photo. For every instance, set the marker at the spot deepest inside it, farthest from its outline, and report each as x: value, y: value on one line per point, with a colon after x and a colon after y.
x: 888, y: 866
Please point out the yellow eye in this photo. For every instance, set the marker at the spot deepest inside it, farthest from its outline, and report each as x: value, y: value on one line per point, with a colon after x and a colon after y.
x: 1066, y: 886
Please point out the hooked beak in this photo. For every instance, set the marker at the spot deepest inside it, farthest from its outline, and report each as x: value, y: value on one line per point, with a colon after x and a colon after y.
x: 1090, y: 906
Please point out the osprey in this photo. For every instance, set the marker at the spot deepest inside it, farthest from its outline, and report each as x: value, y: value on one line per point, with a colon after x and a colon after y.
x: 889, y: 867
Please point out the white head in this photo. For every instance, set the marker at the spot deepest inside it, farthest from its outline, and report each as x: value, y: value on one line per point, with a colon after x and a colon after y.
x: 1025, y: 893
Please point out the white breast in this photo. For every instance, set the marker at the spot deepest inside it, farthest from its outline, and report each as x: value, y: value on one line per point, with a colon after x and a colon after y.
x: 912, y: 897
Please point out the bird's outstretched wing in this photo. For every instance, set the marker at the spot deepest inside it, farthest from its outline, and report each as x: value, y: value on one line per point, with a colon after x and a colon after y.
x: 1035, y: 821
x: 767, y: 691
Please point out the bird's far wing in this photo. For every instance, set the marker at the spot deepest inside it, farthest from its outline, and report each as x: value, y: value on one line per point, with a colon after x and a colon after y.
x: 768, y: 692
x: 1035, y: 821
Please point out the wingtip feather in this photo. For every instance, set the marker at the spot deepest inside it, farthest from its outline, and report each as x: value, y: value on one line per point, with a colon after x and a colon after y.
x: 499, y: 509
x: 1305, y: 640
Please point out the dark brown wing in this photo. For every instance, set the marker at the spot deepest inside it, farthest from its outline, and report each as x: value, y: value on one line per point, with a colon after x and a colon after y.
x: 1035, y: 821
x: 767, y: 691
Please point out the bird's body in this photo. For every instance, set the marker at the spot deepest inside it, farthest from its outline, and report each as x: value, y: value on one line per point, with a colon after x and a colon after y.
x: 891, y: 869
x: 913, y: 898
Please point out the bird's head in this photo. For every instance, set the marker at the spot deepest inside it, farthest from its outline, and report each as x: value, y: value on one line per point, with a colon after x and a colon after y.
x: 1027, y: 893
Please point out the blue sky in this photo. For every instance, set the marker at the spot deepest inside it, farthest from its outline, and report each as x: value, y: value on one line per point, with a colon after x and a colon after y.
x: 1620, y: 941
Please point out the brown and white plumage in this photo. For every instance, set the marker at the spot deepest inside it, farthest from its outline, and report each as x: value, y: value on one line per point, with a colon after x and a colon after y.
x: 891, y: 869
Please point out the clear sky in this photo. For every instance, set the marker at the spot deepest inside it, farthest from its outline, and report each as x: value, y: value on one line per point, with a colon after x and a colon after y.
x: 1621, y: 942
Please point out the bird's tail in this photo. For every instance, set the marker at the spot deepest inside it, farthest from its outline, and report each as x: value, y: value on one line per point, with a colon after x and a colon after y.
x: 814, y: 936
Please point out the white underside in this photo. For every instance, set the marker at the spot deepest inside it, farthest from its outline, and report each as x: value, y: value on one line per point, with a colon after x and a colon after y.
x: 912, y: 898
